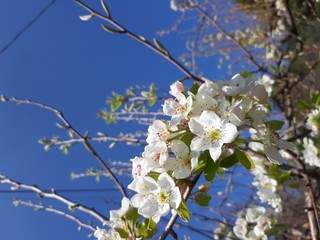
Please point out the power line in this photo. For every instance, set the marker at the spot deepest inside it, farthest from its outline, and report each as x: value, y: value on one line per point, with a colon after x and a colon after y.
x: 60, y: 190
x: 25, y: 28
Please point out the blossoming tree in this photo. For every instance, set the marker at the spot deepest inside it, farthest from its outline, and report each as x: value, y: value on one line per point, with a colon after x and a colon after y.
x: 211, y: 131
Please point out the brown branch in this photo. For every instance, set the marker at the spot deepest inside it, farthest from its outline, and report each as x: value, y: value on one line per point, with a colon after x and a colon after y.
x: 122, y: 30
x: 68, y: 126
x: 40, y: 207
x: 71, y: 204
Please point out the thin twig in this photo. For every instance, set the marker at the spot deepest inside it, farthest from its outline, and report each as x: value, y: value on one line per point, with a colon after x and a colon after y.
x: 67, y: 125
x: 54, y: 195
x: 41, y: 207
x: 122, y: 30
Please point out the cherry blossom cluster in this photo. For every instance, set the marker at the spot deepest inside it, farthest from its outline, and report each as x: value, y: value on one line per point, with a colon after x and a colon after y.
x: 252, y: 223
x: 206, y: 120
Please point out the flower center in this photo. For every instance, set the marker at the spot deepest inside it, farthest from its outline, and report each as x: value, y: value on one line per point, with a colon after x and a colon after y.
x: 163, y: 197
x: 180, y: 109
x: 214, y: 135
x: 186, y: 161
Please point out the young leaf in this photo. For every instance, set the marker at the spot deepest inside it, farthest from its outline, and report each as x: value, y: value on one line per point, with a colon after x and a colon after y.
x: 210, y: 169
x: 194, y: 88
x: 202, y: 199
x: 122, y: 232
x: 303, y: 104
x: 109, y: 29
x: 105, y: 8
x: 85, y: 17
x: 183, y: 212
x: 160, y: 46
x: 274, y: 125
x: 244, y: 159
x: 229, y: 161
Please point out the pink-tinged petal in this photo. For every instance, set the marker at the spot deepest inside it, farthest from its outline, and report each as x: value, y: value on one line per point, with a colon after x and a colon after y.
x: 169, y: 107
x: 229, y: 132
x: 284, y: 144
x: 195, y: 126
x: 215, y: 151
x: 165, y: 181
x: 175, y: 198
x: 149, y: 207
x: 200, y: 144
x: 179, y: 148
x: 273, y: 154
x: 210, y: 120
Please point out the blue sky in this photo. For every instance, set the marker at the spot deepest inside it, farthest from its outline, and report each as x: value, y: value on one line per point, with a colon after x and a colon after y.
x: 73, y: 66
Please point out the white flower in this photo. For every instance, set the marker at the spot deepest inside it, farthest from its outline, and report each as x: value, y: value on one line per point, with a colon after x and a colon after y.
x: 178, y: 110
x: 158, y: 131
x: 272, y: 143
x: 102, y: 234
x: 139, y: 167
x: 313, y: 122
x: 237, y: 85
x: 156, y: 154
x: 116, y: 215
x: 267, y: 82
x: 310, y: 152
x: 176, y: 88
x: 240, y: 228
x: 184, y: 162
x: 239, y: 110
x: 253, y: 214
x: 155, y: 198
x: 212, y: 132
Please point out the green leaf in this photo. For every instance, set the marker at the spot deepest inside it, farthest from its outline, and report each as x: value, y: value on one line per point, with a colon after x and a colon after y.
x: 202, y: 199
x: 274, y: 125
x: 105, y: 8
x: 183, y: 212
x: 132, y: 215
x: 160, y: 46
x: 146, y: 228
x: 245, y: 74
x: 303, y: 104
x: 152, y: 101
x: 194, y: 89
x: 211, y: 167
x: 276, y: 229
x: 315, y: 98
x: 285, y: 176
x: 229, y: 161
x: 294, y: 185
x: 110, y: 29
x: 187, y: 138
x: 122, y: 232
x: 244, y: 159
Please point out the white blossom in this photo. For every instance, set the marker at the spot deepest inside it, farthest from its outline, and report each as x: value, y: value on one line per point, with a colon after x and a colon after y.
x: 154, y: 199
x: 102, y: 234
x: 310, y: 152
x: 211, y: 133
x: 184, y: 162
